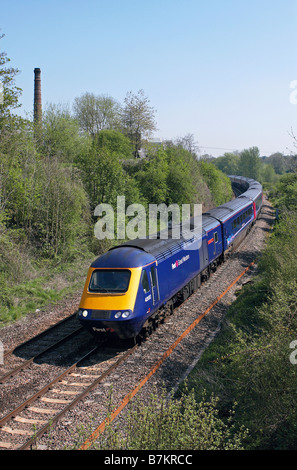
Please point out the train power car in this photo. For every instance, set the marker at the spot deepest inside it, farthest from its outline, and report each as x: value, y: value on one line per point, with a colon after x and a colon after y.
x: 127, y: 286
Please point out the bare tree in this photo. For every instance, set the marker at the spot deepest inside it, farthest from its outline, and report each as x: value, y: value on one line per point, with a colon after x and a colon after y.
x: 188, y: 143
x: 294, y: 156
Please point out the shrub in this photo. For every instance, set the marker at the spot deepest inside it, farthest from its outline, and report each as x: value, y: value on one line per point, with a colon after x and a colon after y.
x: 174, y: 424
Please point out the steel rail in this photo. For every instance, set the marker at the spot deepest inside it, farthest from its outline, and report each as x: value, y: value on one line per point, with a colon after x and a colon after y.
x: 31, y: 441
x: 39, y: 335
x: 43, y: 390
x: 28, y: 362
x: 38, y: 433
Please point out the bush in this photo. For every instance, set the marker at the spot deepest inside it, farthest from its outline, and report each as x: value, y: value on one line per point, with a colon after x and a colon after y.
x: 174, y: 424
x: 61, y: 222
x: 218, y: 183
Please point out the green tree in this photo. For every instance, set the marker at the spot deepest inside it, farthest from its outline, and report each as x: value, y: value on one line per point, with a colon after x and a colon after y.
x: 61, y: 222
x: 279, y: 162
x: 60, y: 134
x: 18, y: 183
x: 181, y: 188
x: 9, y: 92
x: 42, y: 199
x: 95, y: 113
x: 286, y: 192
x: 267, y: 173
x: 115, y: 142
x: 138, y: 118
x: 217, y: 182
x: 228, y: 163
x: 102, y: 174
x: 152, y: 178
x: 250, y: 163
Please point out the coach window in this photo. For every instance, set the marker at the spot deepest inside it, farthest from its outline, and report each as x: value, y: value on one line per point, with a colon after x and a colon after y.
x: 145, y: 282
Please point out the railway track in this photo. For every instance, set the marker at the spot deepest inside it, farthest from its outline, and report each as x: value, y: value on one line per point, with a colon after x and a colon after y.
x: 44, y: 342
x: 37, y: 414
x: 31, y: 419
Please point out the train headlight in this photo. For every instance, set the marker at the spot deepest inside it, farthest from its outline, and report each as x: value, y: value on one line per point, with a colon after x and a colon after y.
x: 82, y: 313
x: 124, y: 314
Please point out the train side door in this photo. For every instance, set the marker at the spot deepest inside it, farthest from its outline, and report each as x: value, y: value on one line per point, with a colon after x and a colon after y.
x: 215, y: 242
x: 154, y: 284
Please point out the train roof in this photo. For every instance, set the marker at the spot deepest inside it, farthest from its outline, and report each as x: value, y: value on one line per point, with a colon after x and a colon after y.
x: 158, y: 248
x: 243, y: 180
x: 246, y: 183
x: 123, y: 257
x: 208, y: 223
x: 161, y: 248
x: 225, y: 211
x: 252, y: 193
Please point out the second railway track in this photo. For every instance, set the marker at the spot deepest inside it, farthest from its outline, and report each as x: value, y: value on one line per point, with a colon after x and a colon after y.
x: 21, y: 357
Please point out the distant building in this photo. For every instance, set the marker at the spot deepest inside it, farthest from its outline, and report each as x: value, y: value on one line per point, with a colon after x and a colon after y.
x: 156, y: 140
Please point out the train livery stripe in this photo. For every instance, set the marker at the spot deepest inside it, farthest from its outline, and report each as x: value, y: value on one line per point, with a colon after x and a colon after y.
x: 130, y: 395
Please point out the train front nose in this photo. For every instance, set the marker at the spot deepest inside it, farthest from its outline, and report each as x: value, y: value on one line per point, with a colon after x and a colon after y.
x: 108, y: 301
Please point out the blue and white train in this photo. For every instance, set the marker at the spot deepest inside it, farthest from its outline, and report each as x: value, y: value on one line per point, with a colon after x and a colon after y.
x: 129, y: 287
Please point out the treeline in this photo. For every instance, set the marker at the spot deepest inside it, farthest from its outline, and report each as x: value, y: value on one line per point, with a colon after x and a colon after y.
x: 252, y: 364
x: 53, y: 177
x: 248, y: 163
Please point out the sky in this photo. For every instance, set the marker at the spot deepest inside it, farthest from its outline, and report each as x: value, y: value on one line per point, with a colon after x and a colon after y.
x: 218, y: 69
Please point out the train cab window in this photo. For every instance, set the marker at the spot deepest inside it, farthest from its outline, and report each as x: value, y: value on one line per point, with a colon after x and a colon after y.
x: 216, y: 239
x: 145, y: 282
x: 112, y: 281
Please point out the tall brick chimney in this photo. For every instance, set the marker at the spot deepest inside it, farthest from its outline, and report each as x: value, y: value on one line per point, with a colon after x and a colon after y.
x: 37, y: 96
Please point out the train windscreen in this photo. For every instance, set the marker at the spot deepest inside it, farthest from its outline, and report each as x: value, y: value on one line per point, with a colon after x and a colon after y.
x: 112, y: 281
